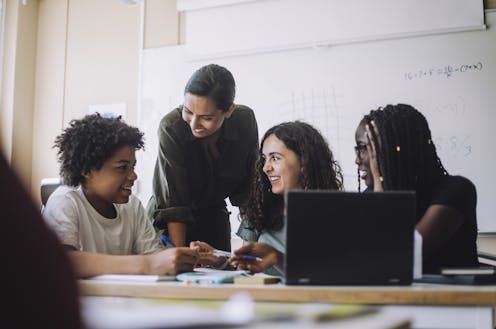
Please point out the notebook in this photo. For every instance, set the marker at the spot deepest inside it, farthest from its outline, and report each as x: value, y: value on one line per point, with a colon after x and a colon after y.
x: 349, y: 238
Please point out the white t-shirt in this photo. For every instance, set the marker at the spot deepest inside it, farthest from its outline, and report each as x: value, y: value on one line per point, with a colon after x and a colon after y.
x: 78, y: 224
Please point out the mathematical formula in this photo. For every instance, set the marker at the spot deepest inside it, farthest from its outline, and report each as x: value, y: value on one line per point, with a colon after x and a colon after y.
x: 447, y: 71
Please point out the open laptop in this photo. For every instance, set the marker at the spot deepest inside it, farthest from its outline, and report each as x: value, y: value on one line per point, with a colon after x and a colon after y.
x: 349, y: 238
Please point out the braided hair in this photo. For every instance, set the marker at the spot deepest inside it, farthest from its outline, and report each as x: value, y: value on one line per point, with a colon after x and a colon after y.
x: 319, y: 170
x: 406, y: 155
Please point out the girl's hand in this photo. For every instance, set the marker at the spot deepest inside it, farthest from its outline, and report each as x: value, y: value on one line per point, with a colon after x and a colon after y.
x: 269, y: 257
x: 374, y: 166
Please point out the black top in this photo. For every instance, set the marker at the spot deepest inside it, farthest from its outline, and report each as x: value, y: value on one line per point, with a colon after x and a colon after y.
x: 187, y: 182
x: 459, y: 193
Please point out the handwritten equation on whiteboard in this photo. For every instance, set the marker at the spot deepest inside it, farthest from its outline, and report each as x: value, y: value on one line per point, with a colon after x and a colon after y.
x: 454, y: 146
x: 446, y: 71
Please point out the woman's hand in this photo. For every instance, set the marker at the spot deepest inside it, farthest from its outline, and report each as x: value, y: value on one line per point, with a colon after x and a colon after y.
x: 206, y: 257
x: 374, y: 166
x: 268, y: 255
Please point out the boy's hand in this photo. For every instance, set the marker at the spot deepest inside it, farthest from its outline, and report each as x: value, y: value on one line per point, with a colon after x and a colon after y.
x: 206, y: 257
x: 172, y: 261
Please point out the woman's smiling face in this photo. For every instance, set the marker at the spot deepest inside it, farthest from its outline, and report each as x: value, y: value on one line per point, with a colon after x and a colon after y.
x: 202, y: 115
x: 282, y: 165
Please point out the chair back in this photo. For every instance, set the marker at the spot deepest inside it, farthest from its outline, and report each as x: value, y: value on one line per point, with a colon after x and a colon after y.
x: 47, y: 186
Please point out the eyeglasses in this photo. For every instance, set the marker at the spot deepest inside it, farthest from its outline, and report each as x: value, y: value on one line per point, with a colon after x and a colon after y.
x: 360, y: 149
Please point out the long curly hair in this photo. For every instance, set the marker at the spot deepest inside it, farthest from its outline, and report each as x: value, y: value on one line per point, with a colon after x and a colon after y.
x: 88, y: 142
x: 319, y: 170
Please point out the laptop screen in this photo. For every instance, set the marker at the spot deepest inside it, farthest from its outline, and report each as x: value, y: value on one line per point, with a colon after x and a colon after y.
x: 349, y: 238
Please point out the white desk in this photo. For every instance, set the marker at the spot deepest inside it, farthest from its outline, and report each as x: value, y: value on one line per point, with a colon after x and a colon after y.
x: 429, y: 305
x: 145, y: 313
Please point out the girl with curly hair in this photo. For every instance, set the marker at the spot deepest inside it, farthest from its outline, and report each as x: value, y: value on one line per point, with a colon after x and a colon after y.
x: 293, y: 155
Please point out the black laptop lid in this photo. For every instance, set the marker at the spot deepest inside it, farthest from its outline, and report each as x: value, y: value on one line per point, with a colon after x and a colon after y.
x: 349, y: 238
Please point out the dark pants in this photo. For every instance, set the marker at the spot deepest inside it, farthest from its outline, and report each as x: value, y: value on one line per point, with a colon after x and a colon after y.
x: 211, y: 226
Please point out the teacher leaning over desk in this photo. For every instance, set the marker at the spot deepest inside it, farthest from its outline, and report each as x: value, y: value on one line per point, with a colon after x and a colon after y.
x: 208, y: 147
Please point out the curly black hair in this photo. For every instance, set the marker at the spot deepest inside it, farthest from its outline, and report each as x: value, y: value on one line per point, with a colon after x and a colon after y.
x: 319, y: 171
x: 88, y: 142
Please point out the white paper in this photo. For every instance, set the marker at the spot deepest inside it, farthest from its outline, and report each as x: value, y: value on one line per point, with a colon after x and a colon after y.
x: 133, y: 277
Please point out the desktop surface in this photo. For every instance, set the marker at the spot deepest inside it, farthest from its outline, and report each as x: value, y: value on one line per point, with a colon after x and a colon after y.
x: 416, y: 294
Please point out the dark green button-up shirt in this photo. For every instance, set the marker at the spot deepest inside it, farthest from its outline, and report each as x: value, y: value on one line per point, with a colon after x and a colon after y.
x: 187, y: 182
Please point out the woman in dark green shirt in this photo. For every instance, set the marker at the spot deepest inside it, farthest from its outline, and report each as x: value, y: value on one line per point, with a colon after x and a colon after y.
x: 208, y: 147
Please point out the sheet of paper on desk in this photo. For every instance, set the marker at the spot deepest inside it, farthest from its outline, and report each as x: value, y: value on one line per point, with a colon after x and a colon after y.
x: 257, y: 278
x: 210, y: 276
x: 132, y: 277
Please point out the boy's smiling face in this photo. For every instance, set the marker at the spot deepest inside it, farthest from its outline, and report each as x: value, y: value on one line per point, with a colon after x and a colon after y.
x: 112, y: 183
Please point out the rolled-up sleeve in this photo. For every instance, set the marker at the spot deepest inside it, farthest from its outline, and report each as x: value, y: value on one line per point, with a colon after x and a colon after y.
x: 247, y: 233
x: 171, y: 196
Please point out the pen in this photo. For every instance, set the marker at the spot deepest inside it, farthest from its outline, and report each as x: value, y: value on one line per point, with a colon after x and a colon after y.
x: 166, y: 241
x: 222, y: 253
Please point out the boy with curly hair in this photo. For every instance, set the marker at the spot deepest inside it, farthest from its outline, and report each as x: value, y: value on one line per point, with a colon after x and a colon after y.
x: 101, y: 224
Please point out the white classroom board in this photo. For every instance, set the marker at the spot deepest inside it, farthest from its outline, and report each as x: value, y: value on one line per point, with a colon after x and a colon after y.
x: 451, y: 78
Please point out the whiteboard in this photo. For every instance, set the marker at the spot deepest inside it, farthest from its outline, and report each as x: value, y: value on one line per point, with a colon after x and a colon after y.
x: 451, y: 78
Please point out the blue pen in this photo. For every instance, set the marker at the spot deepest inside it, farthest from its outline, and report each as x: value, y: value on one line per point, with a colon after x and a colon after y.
x: 166, y: 241
x: 222, y: 253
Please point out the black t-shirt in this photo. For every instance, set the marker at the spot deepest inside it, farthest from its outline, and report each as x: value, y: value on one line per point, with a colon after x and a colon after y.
x: 458, y: 193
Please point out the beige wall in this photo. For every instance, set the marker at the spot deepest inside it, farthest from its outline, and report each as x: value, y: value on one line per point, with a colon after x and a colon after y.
x: 50, y: 87
x: 161, y: 24
x: 18, y: 86
x: 88, y: 54
x: 60, y: 57
x: 8, y: 71
x: 103, y: 48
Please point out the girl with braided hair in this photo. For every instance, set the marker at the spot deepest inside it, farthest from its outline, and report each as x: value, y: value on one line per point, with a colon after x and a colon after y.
x: 395, y: 151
